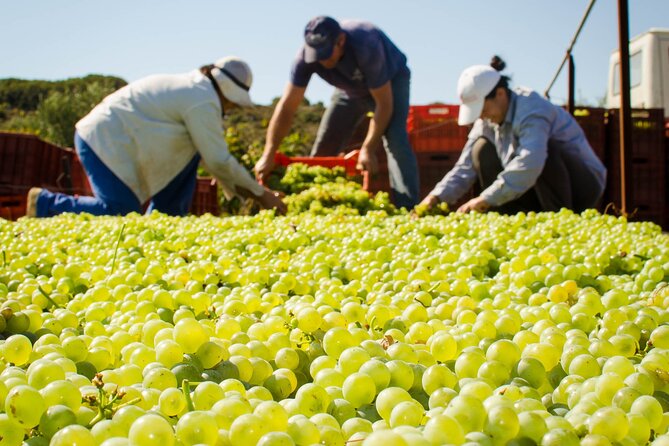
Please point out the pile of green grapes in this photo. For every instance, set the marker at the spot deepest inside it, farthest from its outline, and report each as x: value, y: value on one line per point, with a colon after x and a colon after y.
x: 321, y: 190
x: 477, y: 329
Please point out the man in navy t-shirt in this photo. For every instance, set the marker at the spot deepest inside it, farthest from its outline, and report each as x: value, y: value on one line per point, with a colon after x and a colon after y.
x: 370, y: 74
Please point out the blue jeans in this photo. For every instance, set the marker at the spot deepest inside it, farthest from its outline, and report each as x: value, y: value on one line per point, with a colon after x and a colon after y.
x: 112, y: 196
x: 342, y: 117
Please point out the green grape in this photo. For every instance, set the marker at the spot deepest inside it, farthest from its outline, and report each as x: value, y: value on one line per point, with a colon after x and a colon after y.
x: 125, y: 416
x: 287, y: 358
x: 437, y: 376
x: 355, y: 425
x: 190, y: 335
x: 73, y: 435
x: 247, y: 429
x: 302, y: 430
x: 648, y: 407
x: 151, y: 429
x: 389, y: 398
x: 228, y: 410
x: 55, y: 418
x: 12, y: 431
x: 171, y: 402
x: 384, y: 437
x: 312, y: 399
x: 211, y: 353
x: 610, y: 422
x: 359, y: 389
x: 272, y: 415
x: 159, y: 378
x: 469, y: 412
x: 62, y: 392
x: 169, y: 352
x: 502, y: 423
x: 639, y: 428
x: 336, y: 340
x: 406, y: 413
x: 352, y: 359
x: 25, y: 405
x: 276, y: 439
x: 105, y: 429
x: 197, y: 427
x: 401, y: 374
x: 206, y: 394
x: 17, y: 349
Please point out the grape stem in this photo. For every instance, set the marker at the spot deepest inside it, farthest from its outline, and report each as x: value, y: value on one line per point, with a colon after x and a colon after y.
x: 45, y: 294
x: 185, y: 387
x: 118, y: 242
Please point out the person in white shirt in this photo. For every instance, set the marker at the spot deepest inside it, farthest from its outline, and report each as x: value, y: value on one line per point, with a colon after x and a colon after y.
x: 527, y: 153
x: 143, y: 143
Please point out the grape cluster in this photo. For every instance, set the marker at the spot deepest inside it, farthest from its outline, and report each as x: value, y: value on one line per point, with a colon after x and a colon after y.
x: 538, y: 328
x: 298, y: 177
x: 422, y: 210
x: 344, y: 197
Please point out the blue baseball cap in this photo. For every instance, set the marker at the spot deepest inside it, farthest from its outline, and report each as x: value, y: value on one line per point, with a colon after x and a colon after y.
x: 320, y: 36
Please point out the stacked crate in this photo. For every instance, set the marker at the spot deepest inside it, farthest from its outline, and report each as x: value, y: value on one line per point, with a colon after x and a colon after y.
x: 646, y: 176
x: 593, y: 122
x: 205, y: 198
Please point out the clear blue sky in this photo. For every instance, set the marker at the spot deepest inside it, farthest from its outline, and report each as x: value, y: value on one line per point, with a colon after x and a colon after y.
x: 57, y: 39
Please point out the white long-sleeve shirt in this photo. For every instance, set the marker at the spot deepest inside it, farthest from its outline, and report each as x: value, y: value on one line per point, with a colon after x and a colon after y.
x: 148, y: 131
x: 532, y: 124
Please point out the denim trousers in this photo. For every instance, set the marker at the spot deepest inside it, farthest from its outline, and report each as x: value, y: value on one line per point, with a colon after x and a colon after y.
x: 112, y: 196
x: 343, y: 116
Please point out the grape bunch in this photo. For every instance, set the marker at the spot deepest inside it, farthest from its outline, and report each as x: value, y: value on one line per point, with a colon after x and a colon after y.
x: 345, y: 197
x: 422, y: 210
x: 298, y: 177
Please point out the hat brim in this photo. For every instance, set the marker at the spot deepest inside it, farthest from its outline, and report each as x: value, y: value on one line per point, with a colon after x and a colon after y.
x: 470, y: 112
x: 234, y: 93
x: 312, y: 54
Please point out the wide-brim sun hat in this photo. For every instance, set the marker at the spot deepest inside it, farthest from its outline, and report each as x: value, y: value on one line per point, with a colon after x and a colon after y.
x: 234, y: 77
x: 474, y: 84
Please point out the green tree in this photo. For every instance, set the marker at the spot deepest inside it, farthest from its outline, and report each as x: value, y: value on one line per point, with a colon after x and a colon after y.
x: 60, y: 111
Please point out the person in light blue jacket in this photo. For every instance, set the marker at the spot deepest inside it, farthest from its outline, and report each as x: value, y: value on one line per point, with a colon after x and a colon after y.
x: 526, y: 153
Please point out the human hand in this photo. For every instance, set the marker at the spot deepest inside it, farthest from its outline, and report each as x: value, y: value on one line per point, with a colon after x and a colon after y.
x: 263, y: 167
x: 421, y: 208
x: 368, y: 161
x: 477, y: 204
x: 272, y: 200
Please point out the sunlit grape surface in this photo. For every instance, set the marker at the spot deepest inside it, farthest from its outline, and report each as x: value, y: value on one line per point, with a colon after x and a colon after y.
x: 546, y: 329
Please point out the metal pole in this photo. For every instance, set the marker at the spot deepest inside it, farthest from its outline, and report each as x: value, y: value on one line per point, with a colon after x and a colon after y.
x: 571, y: 46
x: 625, y: 119
x: 571, y: 104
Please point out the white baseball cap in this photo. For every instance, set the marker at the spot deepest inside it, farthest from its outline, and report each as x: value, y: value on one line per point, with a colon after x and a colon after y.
x: 475, y: 83
x: 234, y: 77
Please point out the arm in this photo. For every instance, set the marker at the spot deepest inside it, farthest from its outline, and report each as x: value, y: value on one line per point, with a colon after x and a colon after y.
x: 279, y: 126
x: 204, y: 127
x: 383, y: 98
x: 462, y: 176
x: 521, y: 173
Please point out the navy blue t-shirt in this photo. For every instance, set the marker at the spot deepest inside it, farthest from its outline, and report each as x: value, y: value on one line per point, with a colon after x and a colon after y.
x: 370, y: 60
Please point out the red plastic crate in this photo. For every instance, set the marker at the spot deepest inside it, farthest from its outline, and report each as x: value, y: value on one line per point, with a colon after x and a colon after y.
x: 593, y: 122
x: 348, y: 162
x: 648, y: 139
x: 205, y: 198
x: 12, y: 206
x: 434, y: 128
x: 21, y: 157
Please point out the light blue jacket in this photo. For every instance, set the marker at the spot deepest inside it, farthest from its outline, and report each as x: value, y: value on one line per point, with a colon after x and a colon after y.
x: 532, y: 123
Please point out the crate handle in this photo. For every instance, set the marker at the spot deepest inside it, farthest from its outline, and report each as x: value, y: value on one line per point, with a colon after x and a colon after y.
x: 440, y: 157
